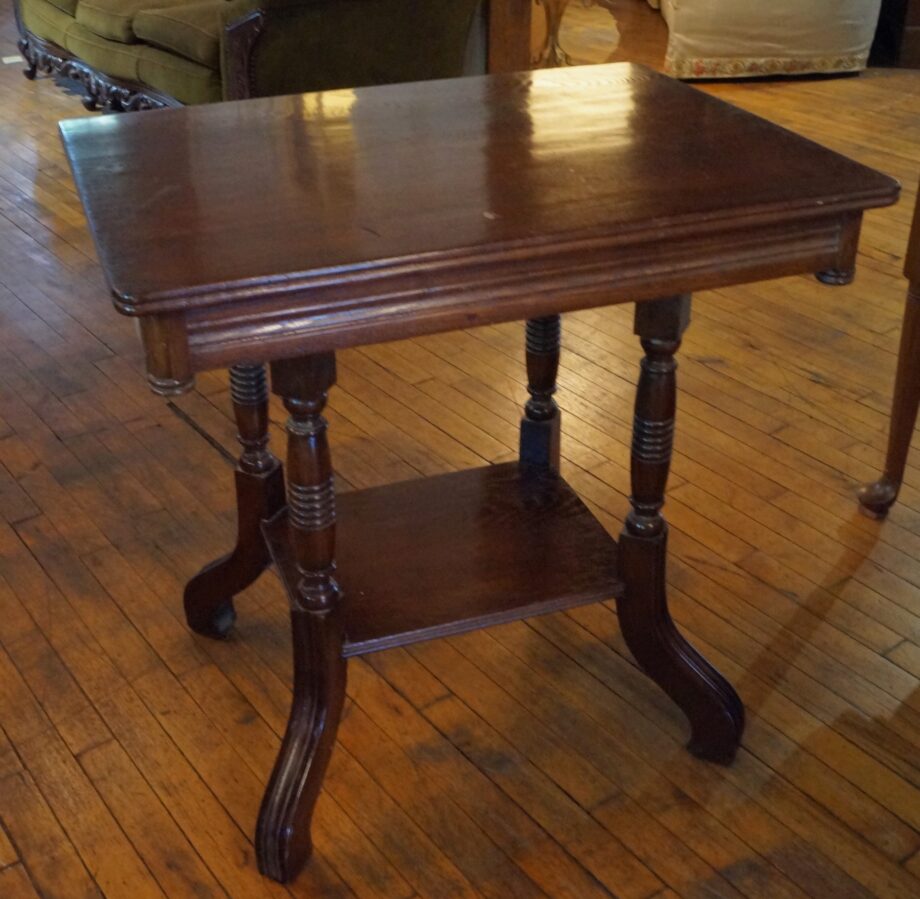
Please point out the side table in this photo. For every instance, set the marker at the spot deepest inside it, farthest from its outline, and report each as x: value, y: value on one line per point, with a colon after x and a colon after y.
x: 282, y: 230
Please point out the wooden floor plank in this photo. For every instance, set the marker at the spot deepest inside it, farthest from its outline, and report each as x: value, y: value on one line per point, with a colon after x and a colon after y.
x: 53, y: 863
x: 148, y: 824
x: 15, y: 883
x: 592, y: 789
x: 600, y: 714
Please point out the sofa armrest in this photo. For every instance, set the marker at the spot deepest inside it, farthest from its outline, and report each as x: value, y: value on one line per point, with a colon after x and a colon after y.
x: 290, y: 46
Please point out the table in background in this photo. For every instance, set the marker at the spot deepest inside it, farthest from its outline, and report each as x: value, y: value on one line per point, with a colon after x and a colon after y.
x: 284, y: 229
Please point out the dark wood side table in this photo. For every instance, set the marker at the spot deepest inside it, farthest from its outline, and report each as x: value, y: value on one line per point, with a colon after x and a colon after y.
x: 284, y: 229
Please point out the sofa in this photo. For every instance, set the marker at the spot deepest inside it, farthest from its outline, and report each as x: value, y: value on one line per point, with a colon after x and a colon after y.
x: 749, y: 38
x: 135, y: 54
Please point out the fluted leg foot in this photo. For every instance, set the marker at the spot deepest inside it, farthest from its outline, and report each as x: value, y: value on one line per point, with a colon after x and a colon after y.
x: 710, y: 703
x: 209, y: 594
x: 283, y: 842
x: 715, y: 712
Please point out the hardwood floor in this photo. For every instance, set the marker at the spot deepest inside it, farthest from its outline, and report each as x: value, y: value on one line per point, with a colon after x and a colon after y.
x: 532, y: 759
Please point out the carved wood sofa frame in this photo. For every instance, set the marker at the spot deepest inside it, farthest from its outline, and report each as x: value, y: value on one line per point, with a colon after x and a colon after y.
x: 100, y: 91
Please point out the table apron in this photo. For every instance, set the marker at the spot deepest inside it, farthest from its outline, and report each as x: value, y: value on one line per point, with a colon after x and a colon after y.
x: 274, y: 324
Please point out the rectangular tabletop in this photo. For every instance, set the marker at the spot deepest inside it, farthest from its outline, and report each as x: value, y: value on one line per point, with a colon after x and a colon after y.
x: 295, y: 224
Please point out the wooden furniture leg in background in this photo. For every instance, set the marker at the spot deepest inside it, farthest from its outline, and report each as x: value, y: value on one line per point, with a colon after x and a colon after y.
x: 283, y: 841
x: 541, y: 422
x: 877, y: 498
x: 708, y: 700
x: 259, y: 495
x: 551, y: 54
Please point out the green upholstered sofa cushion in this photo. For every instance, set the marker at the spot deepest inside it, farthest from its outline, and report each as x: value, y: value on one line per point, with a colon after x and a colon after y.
x: 111, y: 57
x: 189, y: 82
x: 114, y: 19
x: 191, y: 31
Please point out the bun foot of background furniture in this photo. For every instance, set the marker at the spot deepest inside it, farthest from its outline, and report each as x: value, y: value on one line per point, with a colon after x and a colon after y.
x: 836, y: 277
x: 283, y: 842
x: 713, y: 708
x: 877, y: 498
x: 208, y: 597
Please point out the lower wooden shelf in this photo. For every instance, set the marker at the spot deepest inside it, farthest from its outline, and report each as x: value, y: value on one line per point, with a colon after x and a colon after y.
x: 444, y: 555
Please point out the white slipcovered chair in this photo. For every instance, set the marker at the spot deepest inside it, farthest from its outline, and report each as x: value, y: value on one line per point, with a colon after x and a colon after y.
x: 747, y: 38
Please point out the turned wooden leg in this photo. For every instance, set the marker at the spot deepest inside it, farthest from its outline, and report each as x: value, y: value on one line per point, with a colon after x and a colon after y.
x: 283, y: 834
x: 715, y: 712
x: 878, y: 498
x: 259, y: 495
x: 540, y: 425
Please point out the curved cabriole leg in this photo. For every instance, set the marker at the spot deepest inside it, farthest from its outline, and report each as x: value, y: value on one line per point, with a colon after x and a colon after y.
x: 541, y: 422
x: 259, y: 495
x: 715, y: 712
x: 283, y: 841
x: 877, y: 498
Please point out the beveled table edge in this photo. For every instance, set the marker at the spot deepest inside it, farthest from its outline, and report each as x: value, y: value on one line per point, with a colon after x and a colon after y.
x: 367, y: 273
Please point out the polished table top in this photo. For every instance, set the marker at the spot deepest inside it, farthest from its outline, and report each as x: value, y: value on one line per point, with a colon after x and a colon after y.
x: 337, y: 217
